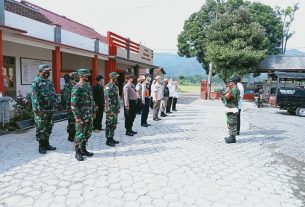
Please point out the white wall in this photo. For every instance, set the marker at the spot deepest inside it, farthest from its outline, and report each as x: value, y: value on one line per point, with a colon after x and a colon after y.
x: 25, y: 51
x: 33, y: 27
x: 73, y: 39
x: 103, y: 48
x: 74, y: 62
x: 101, y: 68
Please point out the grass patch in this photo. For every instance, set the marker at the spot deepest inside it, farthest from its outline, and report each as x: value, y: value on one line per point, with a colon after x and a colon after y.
x: 189, y: 88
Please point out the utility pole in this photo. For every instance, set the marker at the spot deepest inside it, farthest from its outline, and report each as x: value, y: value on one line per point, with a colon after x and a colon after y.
x: 211, y: 64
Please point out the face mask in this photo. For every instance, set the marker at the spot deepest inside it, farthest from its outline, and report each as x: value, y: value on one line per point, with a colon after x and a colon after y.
x: 86, y: 79
x: 46, y: 74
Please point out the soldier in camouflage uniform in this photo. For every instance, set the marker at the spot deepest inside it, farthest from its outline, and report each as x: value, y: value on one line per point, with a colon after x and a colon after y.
x: 43, y: 102
x: 83, y: 108
x: 112, y: 108
x: 230, y: 99
x: 67, y: 94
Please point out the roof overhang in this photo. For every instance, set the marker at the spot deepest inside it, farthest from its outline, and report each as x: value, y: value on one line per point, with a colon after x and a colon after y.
x: 282, y: 63
x: 34, y: 41
x: 133, y: 63
x: 11, y: 30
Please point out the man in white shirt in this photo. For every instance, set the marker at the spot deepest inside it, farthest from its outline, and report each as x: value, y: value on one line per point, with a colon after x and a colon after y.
x: 240, y: 102
x: 157, y: 96
x: 171, y: 94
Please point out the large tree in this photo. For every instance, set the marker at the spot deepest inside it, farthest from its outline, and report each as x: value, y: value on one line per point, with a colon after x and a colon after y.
x: 193, y: 41
x: 236, y: 44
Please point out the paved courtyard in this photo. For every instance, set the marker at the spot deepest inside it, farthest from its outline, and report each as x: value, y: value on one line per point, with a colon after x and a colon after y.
x: 179, y: 161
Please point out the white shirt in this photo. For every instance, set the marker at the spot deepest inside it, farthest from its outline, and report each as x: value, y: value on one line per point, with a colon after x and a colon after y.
x: 241, y: 94
x: 171, y: 89
x: 157, y: 88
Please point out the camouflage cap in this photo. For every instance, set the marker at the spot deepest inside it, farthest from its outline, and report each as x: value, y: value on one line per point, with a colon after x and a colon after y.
x: 44, y: 67
x: 83, y: 72
x: 73, y: 75
x: 113, y: 75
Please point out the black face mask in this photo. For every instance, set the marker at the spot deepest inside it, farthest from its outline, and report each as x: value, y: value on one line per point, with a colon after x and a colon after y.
x: 46, y: 74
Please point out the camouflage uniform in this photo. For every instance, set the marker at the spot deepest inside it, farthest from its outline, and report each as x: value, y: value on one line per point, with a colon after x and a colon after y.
x: 112, y: 107
x: 83, y: 108
x: 67, y: 94
x: 230, y: 99
x: 43, y: 98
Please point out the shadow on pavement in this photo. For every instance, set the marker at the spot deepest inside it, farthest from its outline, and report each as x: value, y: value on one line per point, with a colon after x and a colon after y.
x: 262, y: 136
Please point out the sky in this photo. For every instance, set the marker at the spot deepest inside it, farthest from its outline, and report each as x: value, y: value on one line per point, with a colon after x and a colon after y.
x: 154, y: 23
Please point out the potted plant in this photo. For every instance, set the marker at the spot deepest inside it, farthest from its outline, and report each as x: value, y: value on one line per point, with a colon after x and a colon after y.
x: 23, y: 115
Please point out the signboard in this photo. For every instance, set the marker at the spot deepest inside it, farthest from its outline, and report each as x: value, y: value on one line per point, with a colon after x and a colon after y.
x: 29, y: 69
x: 145, y: 55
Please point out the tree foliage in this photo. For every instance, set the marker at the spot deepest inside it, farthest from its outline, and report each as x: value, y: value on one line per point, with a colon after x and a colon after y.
x: 287, y: 16
x: 242, y: 36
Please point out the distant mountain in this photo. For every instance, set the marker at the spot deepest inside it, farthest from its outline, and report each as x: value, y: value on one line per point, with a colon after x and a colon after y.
x: 174, y: 65
x: 295, y: 52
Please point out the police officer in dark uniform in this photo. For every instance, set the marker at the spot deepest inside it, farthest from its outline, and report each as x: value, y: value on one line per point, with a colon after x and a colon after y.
x: 130, y: 104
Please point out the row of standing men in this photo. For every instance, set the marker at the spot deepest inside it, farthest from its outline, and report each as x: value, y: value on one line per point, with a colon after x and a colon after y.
x: 86, y: 105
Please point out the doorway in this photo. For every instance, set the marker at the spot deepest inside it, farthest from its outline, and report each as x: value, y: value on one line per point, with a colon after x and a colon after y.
x: 9, y: 72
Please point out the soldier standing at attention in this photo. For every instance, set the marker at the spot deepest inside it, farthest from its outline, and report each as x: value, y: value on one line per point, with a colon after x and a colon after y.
x: 112, y: 108
x: 67, y: 94
x: 43, y: 102
x: 130, y: 104
x: 230, y: 99
x: 83, y: 108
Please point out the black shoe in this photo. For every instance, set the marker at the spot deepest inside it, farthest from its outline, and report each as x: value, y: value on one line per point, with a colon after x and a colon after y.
x: 148, y: 124
x: 49, y: 147
x: 163, y: 115
x: 175, y: 110
x: 115, y: 141
x: 169, y: 112
x: 110, y: 143
x: 79, y: 156
x: 71, y: 139
x: 159, y: 119
x: 144, y: 125
x: 134, y: 132
x: 84, y: 152
x: 237, y: 133
x: 156, y: 119
x: 129, y: 133
x: 42, y: 149
x: 230, y: 139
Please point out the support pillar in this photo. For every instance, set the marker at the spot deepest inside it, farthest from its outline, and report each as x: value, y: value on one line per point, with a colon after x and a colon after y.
x: 56, y: 57
x: 110, y: 65
x: 1, y: 65
x: 94, y: 69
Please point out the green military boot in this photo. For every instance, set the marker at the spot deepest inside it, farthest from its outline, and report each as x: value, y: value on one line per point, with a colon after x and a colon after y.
x: 84, y: 151
x: 41, y: 148
x: 78, y: 154
x: 48, y: 146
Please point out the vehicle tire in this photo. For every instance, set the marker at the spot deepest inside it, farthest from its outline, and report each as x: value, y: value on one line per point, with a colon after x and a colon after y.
x: 301, y: 111
x: 291, y: 111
